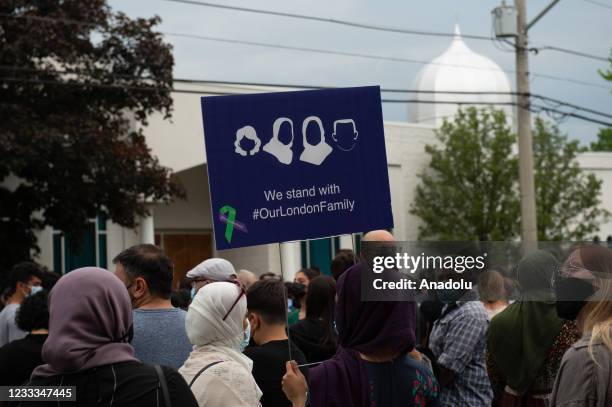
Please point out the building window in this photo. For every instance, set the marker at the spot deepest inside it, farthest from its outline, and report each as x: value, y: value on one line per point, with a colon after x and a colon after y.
x: 319, y: 253
x: 88, y: 251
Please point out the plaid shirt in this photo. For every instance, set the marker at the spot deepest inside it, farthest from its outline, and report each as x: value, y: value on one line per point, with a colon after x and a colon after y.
x: 458, y: 341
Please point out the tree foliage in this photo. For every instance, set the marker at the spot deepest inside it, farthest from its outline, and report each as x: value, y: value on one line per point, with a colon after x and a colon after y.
x: 567, y: 198
x: 604, y: 140
x: 470, y: 190
x: 77, y: 82
x: 607, y: 74
x: 604, y: 137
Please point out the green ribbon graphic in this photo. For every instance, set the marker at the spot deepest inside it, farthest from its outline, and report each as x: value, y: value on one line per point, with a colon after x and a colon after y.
x: 230, y: 213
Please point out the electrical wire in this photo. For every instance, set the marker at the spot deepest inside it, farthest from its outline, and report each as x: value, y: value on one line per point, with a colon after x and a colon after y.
x: 323, y: 51
x: 82, y: 74
x: 600, y: 4
x: 329, y: 20
x: 379, y: 57
x: 347, y: 23
x: 572, y: 52
x: 404, y: 101
x: 372, y: 26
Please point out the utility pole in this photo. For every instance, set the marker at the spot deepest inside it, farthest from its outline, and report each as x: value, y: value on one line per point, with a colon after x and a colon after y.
x: 506, y: 28
x: 529, y: 223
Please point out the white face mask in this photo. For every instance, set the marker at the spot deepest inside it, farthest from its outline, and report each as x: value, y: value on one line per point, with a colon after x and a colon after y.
x: 249, y: 133
x: 349, y: 141
x: 282, y: 152
x: 317, y: 153
x: 35, y: 289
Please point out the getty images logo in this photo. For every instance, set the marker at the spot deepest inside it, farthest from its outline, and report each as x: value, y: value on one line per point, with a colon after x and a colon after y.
x: 314, y: 154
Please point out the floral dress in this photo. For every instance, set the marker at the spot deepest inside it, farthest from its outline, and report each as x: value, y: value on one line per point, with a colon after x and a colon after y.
x: 403, y: 382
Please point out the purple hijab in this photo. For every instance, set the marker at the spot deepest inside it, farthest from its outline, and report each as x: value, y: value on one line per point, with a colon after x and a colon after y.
x: 89, y: 318
x: 366, y: 327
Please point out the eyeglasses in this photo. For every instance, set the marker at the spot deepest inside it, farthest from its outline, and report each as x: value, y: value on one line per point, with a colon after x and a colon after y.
x: 242, y: 292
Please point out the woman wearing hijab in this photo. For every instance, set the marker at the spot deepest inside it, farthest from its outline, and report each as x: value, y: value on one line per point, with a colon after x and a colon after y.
x: 90, y: 322
x: 526, y: 341
x: 584, y: 294
x: 217, y: 372
x: 372, y: 366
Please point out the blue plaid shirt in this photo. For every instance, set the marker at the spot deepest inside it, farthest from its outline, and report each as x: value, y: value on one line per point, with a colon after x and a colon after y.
x: 458, y: 341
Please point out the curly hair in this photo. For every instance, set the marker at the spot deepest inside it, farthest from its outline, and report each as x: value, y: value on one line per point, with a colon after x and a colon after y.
x: 33, y: 312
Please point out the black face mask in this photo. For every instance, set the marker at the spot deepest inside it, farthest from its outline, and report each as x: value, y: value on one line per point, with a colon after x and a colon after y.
x: 571, y: 296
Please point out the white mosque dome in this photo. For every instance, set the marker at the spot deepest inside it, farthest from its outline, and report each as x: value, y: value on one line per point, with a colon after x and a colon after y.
x: 458, y: 69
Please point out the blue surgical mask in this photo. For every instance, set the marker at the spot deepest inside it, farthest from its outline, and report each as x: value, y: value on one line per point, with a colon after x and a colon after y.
x: 193, y: 293
x: 35, y: 289
x: 246, y: 337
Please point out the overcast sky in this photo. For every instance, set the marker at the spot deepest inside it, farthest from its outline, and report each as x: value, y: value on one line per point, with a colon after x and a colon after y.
x: 576, y: 24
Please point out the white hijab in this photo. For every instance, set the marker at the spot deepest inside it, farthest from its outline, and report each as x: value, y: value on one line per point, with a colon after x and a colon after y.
x: 205, y: 325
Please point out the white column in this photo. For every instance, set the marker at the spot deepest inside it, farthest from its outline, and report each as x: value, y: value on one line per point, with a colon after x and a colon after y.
x: 290, y: 259
x: 346, y: 242
x: 147, y: 229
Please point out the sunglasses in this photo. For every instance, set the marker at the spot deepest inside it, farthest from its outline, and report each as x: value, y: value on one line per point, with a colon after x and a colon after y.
x: 242, y: 292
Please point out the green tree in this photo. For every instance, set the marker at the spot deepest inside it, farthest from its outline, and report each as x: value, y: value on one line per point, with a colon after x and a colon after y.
x: 567, y: 198
x: 604, y: 140
x: 607, y: 74
x: 468, y: 192
x: 604, y: 137
x: 77, y: 82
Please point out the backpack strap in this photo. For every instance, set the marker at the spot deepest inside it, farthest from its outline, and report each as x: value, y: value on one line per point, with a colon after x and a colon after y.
x: 164, y: 385
x: 202, y: 371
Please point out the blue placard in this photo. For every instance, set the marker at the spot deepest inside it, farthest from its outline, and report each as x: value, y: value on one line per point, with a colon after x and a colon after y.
x: 296, y: 165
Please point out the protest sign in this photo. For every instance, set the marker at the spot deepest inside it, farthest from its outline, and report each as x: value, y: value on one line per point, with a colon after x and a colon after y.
x: 296, y: 165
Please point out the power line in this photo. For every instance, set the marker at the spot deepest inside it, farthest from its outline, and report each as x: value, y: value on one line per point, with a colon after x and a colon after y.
x: 571, y: 105
x: 322, y: 51
x: 572, y: 52
x: 329, y: 20
x: 371, y: 26
x: 597, y: 3
x: 347, y: 23
x: 405, y: 101
x: 82, y: 72
x: 376, y: 57
x: 398, y: 90
x: 49, y: 19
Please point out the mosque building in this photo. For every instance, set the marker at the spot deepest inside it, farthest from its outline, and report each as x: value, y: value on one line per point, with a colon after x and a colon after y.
x: 184, y: 228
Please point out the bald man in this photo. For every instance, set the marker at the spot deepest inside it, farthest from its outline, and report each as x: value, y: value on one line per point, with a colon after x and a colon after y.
x: 378, y: 236
x: 247, y: 278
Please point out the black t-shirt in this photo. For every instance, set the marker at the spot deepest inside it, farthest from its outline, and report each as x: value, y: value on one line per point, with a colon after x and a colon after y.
x: 129, y: 384
x: 269, y: 368
x: 18, y: 359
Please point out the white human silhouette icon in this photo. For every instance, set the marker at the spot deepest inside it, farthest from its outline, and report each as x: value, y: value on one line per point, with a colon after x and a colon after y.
x: 345, y: 145
x: 314, y: 153
x: 275, y: 147
x: 249, y: 133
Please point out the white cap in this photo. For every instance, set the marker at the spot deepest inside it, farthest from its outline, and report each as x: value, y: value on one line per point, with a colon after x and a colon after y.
x: 215, y: 269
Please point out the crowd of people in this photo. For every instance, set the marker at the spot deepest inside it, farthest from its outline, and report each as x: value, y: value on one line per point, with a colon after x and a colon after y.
x: 125, y: 337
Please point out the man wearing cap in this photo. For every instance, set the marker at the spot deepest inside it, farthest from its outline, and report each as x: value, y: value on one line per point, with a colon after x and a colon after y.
x: 209, y: 271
